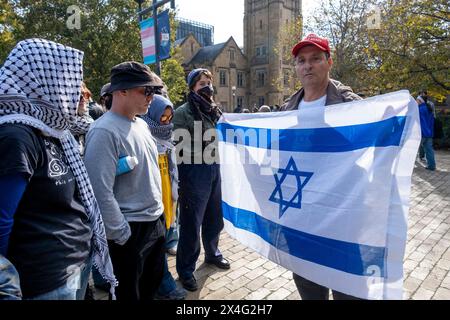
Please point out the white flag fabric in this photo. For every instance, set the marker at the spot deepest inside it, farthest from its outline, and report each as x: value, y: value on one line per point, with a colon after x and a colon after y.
x: 325, y: 192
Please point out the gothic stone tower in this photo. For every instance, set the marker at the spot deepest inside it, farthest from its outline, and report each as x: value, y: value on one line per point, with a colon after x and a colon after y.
x: 263, y: 21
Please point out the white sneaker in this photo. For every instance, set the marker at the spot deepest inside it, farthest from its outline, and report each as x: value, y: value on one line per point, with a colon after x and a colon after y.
x: 422, y: 162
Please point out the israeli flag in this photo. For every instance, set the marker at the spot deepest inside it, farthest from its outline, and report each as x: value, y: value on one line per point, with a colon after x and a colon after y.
x: 325, y: 192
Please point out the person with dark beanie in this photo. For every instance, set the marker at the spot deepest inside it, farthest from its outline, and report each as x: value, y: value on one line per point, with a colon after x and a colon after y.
x: 200, y: 192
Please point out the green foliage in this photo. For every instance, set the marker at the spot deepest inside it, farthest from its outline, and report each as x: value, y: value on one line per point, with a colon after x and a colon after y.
x: 413, y: 45
x: 8, y: 25
x: 109, y: 34
x: 408, y: 50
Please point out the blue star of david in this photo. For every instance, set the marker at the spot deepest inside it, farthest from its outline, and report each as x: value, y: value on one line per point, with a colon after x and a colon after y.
x: 296, y: 201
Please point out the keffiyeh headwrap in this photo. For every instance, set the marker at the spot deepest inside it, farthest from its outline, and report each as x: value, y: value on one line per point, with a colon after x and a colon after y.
x: 163, y: 135
x: 152, y: 117
x: 40, y: 86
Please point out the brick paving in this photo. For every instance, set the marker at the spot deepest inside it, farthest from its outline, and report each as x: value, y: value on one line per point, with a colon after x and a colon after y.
x: 426, y: 265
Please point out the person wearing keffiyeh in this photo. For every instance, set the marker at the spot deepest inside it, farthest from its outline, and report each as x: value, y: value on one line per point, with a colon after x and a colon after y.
x: 50, y: 225
x: 200, y: 190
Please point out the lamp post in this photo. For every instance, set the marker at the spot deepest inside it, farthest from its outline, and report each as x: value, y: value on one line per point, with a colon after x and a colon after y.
x: 154, y: 9
x: 233, y: 89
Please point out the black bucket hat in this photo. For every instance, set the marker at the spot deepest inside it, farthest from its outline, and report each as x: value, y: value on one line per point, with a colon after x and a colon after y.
x: 132, y: 74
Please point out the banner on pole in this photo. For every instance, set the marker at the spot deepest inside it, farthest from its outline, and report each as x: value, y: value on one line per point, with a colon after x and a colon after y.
x: 148, y: 38
x: 164, y: 35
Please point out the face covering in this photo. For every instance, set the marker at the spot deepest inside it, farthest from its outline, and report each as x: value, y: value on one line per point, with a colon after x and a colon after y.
x: 206, y: 92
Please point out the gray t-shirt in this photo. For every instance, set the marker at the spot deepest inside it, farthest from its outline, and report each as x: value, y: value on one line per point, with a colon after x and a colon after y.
x: 135, y: 196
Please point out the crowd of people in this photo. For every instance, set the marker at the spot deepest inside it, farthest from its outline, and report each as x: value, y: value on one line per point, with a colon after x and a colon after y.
x: 95, y: 187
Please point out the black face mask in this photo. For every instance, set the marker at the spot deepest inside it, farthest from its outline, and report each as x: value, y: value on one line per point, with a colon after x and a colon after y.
x: 206, y: 92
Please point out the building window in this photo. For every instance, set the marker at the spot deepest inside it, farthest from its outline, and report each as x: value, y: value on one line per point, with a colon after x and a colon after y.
x: 240, y: 101
x: 260, y: 101
x: 260, y: 24
x: 240, y: 79
x: 261, y: 78
x: 192, y: 48
x: 261, y: 51
x: 232, y: 55
x: 223, y: 77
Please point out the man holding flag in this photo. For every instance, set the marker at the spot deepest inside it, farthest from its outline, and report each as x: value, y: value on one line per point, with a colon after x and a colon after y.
x: 313, y: 63
x: 323, y: 188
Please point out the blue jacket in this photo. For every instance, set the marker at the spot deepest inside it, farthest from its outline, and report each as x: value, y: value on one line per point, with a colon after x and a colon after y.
x: 426, y: 121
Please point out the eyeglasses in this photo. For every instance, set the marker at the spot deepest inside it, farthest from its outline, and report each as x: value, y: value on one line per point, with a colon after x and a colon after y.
x: 165, y: 118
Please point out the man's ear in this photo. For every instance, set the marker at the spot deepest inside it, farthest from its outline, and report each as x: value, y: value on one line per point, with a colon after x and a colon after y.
x: 123, y: 93
x: 330, y: 61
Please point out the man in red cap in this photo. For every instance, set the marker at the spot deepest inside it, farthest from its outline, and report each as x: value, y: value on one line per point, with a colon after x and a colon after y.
x: 313, y: 64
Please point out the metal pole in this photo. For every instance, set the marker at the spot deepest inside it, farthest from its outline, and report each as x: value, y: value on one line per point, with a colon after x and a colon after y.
x: 139, y: 10
x: 157, y: 40
x: 154, y: 7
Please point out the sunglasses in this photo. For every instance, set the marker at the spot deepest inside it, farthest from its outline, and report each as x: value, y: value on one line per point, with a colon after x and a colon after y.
x: 165, y: 118
x: 152, y: 90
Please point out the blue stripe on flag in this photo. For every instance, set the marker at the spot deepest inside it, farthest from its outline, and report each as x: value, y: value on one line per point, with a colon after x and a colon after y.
x: 147, y: 23
x: 332, y: 139
x: 349, y: 257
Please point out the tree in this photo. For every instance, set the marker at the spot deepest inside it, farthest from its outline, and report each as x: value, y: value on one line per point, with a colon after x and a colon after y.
x: 409, y: 49
x: 413, y: 45
x: 108, y: 34
x: 8, y: 24
x: 344, y: 23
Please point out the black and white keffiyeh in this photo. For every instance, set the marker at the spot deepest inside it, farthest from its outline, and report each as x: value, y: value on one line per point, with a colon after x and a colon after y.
x: 40, y: 86
x: 160, y: 131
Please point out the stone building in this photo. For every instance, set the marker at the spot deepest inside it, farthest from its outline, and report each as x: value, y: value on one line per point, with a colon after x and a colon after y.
x: 228, y: 66
x: 263, y: 22
x: 253, y: 76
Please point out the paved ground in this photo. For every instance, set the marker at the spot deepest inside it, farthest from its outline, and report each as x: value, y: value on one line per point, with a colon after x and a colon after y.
x: 427, y: 258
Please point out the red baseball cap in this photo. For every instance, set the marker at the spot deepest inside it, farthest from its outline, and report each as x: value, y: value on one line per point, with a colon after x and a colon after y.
x: 312, y: 39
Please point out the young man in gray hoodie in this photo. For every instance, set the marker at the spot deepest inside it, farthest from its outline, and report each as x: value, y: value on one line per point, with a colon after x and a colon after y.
x: 130, y: 203
x: 313, y: 64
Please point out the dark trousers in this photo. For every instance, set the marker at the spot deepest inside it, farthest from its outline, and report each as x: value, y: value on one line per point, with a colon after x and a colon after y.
x: 312, y: 291
x: 139, y: 263
x: 200, y: 205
